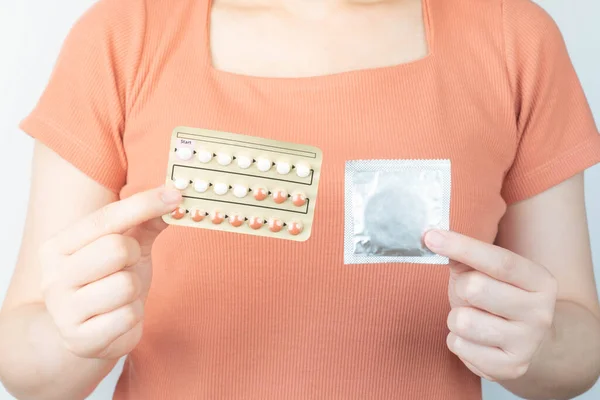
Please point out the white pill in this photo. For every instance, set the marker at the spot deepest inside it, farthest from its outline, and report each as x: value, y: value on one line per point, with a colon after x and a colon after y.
x: 221, y: 188
x: 244, y: 162
x: 181, y: 183
x: 224, y: 159
x: 240, y: 191
x: 204, y: 156
x: 184, y: 153
x: 201, y: 186
x: 302, y: 170
x: 264, y: 164
x: 283, y: 168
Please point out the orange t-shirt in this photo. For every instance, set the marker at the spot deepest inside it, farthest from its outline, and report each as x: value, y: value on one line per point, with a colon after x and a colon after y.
x: 243, y: 317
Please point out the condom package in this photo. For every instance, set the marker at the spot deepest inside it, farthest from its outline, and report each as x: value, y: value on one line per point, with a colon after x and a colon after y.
x: 390, y: 205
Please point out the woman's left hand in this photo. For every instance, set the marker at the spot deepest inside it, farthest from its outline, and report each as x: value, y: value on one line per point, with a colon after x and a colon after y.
x: 502, y: 305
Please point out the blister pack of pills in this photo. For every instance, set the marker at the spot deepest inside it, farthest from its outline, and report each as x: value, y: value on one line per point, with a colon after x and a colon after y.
x: 244, y: 184
x: 390, y: 205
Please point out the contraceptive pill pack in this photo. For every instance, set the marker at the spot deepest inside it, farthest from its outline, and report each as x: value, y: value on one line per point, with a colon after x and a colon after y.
x: 244, y: 184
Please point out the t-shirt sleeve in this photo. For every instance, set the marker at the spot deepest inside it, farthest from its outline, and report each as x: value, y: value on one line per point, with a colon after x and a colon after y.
x: 81, y: 112
x: 558, y: 137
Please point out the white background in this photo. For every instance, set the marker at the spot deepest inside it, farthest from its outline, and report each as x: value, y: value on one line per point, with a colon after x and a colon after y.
x: 32, y: 31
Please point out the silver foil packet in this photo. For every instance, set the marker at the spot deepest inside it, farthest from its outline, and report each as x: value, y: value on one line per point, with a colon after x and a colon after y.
x: 390, y: 205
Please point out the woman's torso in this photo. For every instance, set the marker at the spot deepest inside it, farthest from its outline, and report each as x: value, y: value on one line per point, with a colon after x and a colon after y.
x: 236, y: 316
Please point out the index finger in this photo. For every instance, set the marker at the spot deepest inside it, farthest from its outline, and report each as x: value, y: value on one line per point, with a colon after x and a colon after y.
x: 117, y: 218
x: 499, y: 263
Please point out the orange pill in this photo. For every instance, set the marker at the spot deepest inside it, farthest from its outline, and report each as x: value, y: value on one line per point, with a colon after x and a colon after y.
x: 198, y: 215
x: 260, y: 193
x: 295, y: 228
x: 179, y: 213
x: 255, y: 222
x: 299, y: 199
x: 279, y: 196
x: 275, y: 225
x: 236, y: 220
x: 217, y: 217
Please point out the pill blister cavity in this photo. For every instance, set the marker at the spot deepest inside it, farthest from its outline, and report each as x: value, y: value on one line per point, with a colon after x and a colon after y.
x: 302, y: 169
x: 236, y: 220
x: 217, y: 217
x: 179, y: 213
x: 264, y: 164
x: 240, y: 191
x: 201, y: 185
x: 280, y: 196
x: 255, y: 222
x: 244, y: 162
x: 283, y: 168
x: 184, y: 153
x: 275, y: 225
x: 224, y: 159
x: 260, y: 193
x: 197, y: 214
x: 299, y: 199
x: 181, y: 183
x: 205, y: 156
x: 221, y: 188
x: 295, y: 228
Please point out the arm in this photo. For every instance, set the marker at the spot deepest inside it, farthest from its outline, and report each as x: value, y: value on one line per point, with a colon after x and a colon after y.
x: 35, y: 364
x: 76, y: 308
x: 551, y: 229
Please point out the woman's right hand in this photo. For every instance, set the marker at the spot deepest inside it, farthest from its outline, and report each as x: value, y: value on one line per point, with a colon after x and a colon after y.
x: 97, y: 273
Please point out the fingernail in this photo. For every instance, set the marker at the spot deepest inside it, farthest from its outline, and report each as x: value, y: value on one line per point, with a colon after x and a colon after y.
x: 171, y: 197
x: 435, y: 239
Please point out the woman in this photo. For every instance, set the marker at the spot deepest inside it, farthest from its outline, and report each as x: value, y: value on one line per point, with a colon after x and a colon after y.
x: 486, y: 84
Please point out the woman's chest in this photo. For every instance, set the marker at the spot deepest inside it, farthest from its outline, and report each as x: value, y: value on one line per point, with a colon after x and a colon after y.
x: 346, y: 123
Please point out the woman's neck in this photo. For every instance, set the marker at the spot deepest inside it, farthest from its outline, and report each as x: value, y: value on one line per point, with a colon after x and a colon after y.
x: 300, y: 4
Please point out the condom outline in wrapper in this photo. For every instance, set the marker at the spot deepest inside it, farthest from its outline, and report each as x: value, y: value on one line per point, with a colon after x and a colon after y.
x: 389, y: 205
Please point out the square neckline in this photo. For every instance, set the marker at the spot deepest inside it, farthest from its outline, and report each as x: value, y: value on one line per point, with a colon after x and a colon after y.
x: 318, y: 81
